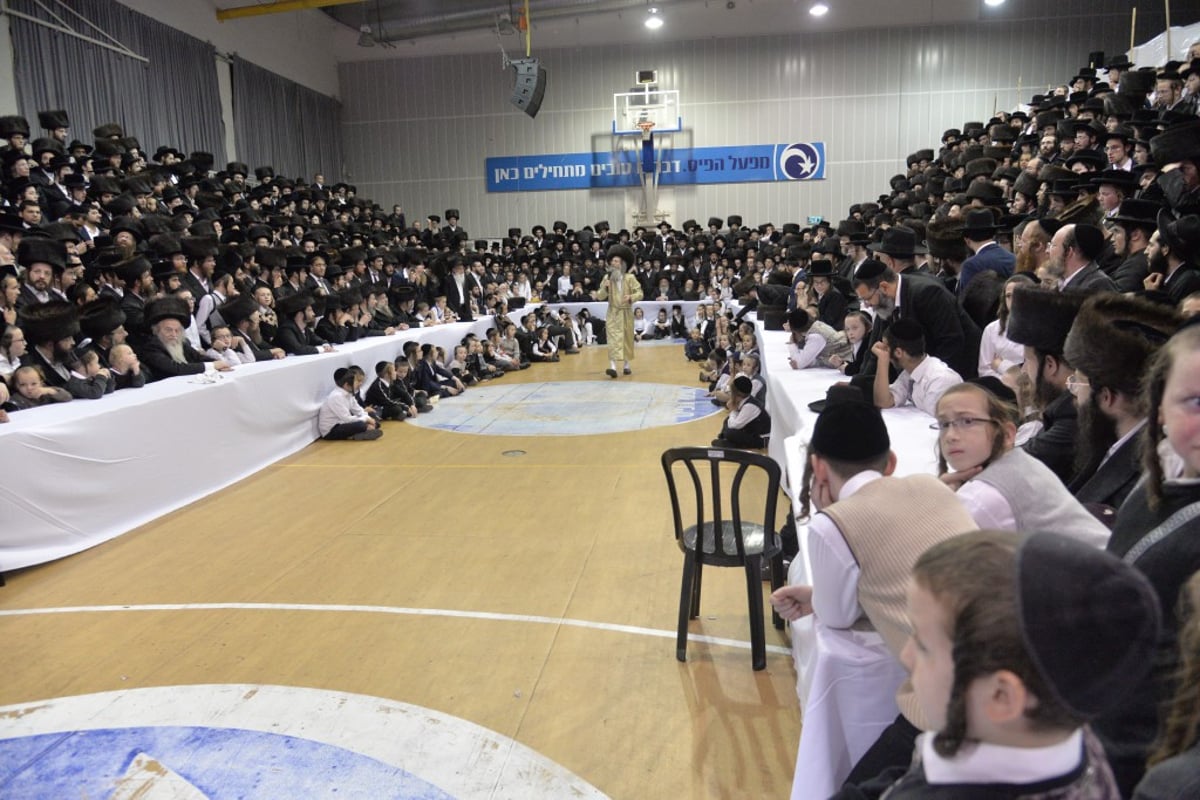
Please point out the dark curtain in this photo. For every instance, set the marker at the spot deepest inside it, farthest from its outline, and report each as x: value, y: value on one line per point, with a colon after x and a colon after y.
x: 172, y: 100
x: 282, y: 124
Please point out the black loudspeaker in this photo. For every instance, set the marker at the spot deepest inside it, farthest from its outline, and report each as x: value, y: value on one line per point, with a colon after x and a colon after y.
x: 530, y: 87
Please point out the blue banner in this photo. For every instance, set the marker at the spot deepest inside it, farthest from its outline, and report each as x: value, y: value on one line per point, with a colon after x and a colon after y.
x: 802, y: 161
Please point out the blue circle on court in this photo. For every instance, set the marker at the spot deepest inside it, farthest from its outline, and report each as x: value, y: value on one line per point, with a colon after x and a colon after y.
x: 193, y: 762
x: 568, y: 408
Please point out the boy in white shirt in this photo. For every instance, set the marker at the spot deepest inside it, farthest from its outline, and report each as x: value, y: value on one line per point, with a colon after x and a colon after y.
x: 341, y: 417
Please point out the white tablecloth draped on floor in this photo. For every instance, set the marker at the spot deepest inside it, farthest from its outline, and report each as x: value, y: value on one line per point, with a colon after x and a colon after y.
x: 81, y: 473
x: 846, y: 679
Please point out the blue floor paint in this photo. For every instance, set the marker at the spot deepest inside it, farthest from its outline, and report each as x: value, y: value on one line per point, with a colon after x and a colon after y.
x: 223, y: 763
x: 568, y: 408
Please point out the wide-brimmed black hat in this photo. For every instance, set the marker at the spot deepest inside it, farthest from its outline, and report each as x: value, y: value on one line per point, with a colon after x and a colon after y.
x: 13, y: 125
x: 1181, y: 235
x: 1138, y: 212
x: 1124, y: 180
x: 821, y: 268
x: 898, y: 242
x: 42, y: 250
x: 287, y: 307
x: 198, y: 248
x: 1179, y: 142
x: 622, y: 252
x: 1042, y: 318
x: 979, y: 224
x: 101, y: 317
x: 168, y: 307
x: 49, y: 322
x: 1114, y: 337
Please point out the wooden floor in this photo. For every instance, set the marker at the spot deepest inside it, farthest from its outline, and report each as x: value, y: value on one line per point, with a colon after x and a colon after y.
x: 577, y: 529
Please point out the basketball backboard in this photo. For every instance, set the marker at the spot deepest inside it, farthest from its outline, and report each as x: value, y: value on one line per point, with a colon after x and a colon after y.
x: 646, y: 104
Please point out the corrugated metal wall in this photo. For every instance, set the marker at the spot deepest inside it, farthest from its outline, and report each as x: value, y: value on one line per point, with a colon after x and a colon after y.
x: 417, y: 131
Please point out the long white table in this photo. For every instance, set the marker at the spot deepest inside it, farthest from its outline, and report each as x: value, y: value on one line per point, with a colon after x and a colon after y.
x: 80, y: 473
x: 846, y: 679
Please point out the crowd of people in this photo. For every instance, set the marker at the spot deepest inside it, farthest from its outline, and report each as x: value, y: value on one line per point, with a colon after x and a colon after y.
x: 1024, y: 284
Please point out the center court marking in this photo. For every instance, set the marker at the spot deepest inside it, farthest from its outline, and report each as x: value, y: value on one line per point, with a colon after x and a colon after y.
x: 395, y: 610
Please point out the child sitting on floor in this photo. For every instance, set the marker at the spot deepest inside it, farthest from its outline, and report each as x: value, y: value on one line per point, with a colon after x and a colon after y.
x: 1017, y: 641
x: 341, y: 417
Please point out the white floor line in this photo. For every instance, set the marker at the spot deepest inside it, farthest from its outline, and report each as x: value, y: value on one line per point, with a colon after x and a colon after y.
x: 418, y: 612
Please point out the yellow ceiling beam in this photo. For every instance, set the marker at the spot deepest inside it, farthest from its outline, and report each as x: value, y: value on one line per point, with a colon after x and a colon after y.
x: 278, y: 7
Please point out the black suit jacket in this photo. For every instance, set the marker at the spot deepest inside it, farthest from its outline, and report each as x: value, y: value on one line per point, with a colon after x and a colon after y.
x: 1114, y: 480
x: 296, y: 342
x: 950, y: 334
x: 1055, y: 445
x: 155, y: 357
x: 832, y: 308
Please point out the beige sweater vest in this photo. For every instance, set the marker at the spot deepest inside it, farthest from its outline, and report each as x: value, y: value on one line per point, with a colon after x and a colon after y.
x: 888, y: 524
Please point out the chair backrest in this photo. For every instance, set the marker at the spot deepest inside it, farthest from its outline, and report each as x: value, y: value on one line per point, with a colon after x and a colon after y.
x: 725, y: 493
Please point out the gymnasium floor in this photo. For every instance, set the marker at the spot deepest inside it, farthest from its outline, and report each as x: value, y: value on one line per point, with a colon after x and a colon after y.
x: 428, y: 615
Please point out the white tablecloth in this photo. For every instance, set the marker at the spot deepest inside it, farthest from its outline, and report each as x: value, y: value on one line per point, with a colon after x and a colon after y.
x: 80, y: 473
x: 846, y: 679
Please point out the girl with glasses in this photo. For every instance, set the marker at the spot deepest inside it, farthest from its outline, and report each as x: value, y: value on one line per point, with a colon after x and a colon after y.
x: 1001, y: 486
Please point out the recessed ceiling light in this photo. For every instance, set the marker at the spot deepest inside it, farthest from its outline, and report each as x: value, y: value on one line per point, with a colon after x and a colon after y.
x: 819, y: 9
x: 654, y: 21
x: 994, y: 2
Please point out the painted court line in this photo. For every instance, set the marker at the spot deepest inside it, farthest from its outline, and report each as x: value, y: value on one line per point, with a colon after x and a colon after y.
x: 396, y: 610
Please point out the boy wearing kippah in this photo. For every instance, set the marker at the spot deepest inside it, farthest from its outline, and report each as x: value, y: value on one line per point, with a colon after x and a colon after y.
x: 748, y: 422
x: 1017, y: 641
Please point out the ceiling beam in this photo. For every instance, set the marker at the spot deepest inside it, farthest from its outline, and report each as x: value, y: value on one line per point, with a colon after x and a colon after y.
x: 278, y: 7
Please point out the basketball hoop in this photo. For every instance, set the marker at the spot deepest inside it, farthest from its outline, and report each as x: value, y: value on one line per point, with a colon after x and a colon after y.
x: 646, y: 126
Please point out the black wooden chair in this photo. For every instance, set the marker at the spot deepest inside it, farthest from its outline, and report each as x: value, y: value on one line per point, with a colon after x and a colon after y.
x: 745, y: 517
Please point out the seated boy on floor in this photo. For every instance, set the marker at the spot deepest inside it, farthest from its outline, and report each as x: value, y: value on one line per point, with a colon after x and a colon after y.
x: 341, y: 417
x: 1017, y: 641
x: 695, y: 348
x: 748, y: 422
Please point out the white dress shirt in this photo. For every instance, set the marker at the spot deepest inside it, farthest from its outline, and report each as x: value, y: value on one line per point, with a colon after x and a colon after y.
x: 925, y: 385
x: 835, y: 571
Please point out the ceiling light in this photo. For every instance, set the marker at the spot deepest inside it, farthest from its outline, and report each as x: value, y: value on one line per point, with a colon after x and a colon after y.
x: 819, y: 9
x: 365, y: 39
x: 654, y: 21
x: 994, y: 2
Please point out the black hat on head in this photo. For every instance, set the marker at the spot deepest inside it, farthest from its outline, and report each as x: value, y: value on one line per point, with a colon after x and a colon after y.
x: 1138, y: 212
x: 735, y: 221
x: 101, y: 317
x: 898, y: 242
x: 869, y: 270
x: 42, y: 250
x: 53, y: 120
x: 238, y: 308
x: 451, y: 213
x: 622, y: 252
x: 1179, y: 142
x: 109, y: 130
x: 945, y: 238
x: 48, y: 322
x: 1042, y: 318
x: 849, y: 429
x: 262, y: 173
x: 1114, y: 337
x: 168, y: 307
x: 131, y: 270
x: 198, y: 248
x: 238, y: 168
x: 821, y: 268
x: 1089, y: 621
x: 287, y: 307
x: 1181, y: 235
x: 979, y: 225
x: 13, y: 125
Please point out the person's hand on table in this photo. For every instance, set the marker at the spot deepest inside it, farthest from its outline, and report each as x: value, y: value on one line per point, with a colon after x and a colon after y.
x: 792, y: 602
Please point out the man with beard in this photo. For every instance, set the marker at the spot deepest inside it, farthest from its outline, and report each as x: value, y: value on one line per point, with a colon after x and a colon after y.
x: 135, y: 276
x: 1040, y: 319
x: 296, y: 336
x: 1076, y: 247
x: 42, y: 258
x: 50, y: 329
x: 950, y: 334
x: 1111, y: 344
x: 1173, y: 255
x: 1137, y: 219
x: 242, y: 315
x: 167, y: 352
x: 103, y: 321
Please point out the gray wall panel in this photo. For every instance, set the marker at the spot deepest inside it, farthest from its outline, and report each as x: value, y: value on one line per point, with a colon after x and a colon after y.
x: 417, y: 131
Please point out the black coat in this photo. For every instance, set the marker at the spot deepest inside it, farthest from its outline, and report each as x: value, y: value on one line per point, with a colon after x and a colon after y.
x: 950, y: 333
x: 1054, y: 446
x: 156, y: 358
x: 297, y: 342
x: 1114, y: 480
